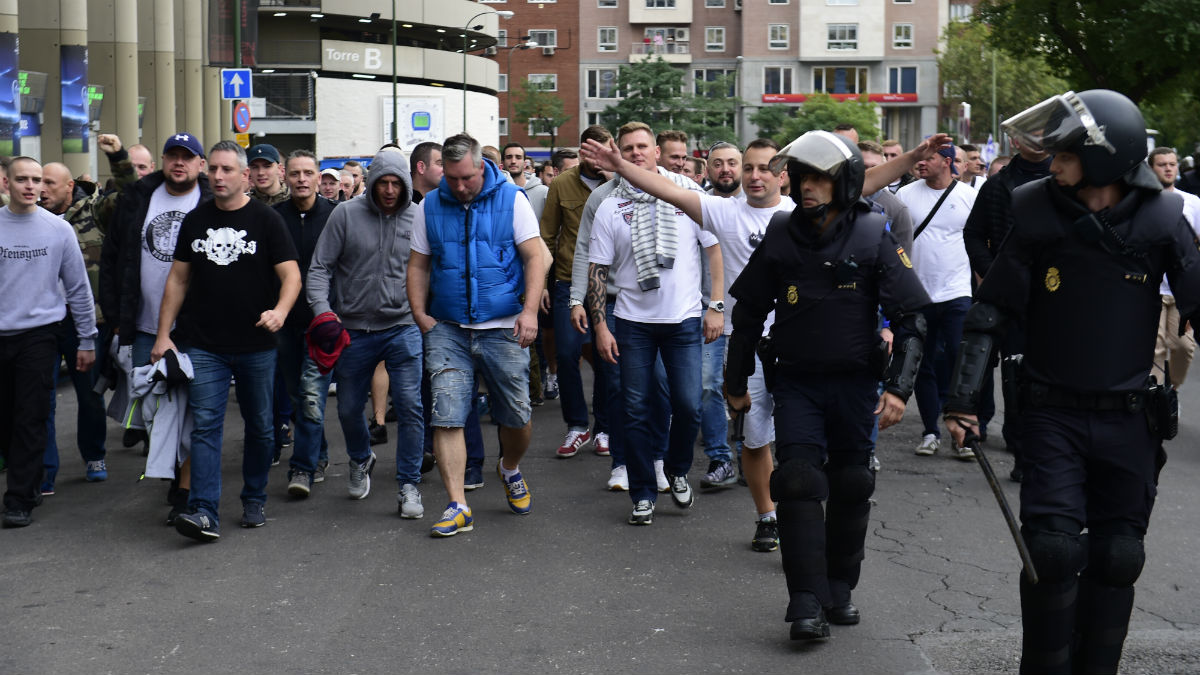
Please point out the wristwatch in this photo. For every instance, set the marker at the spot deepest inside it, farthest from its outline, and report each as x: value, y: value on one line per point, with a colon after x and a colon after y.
x: 717, y: 305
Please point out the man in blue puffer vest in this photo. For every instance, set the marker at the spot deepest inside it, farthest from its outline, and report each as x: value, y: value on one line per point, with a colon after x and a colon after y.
x: 475, y: 278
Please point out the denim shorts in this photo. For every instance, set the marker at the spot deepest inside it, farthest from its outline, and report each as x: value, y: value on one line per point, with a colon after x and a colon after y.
x: 454, y: 354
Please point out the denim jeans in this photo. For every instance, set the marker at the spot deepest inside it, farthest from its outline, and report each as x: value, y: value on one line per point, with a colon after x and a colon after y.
x: 944, y: 321
x: 679, y: 345
x: 569, y: 342
x: 472, y: 433
x: 454, y: 354
x: 308, y: 390
x: 399, y: 347
x: 208, y: 396
x: 90, y: 421
x: 714, y: 427
x: 614, y: 402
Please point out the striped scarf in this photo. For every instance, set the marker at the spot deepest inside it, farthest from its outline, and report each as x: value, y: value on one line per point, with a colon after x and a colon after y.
x: 652, y: 230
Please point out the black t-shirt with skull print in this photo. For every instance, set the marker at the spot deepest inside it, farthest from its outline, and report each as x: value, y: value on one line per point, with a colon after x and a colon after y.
x: 233, y: 281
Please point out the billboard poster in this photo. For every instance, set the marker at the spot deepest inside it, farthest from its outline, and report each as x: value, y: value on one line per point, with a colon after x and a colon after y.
x: 420, y: 120
x: 75, y: 98
x: 10, y: 92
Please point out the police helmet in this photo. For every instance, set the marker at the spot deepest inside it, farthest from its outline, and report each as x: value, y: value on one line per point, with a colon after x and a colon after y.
x: 1104, y: 128
x: 828, y: 154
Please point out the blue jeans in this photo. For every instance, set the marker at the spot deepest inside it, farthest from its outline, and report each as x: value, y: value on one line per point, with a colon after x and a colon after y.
x: 208, y: 396
x: 308, y: 390
x: 400, y: 350
x: 714, y: 427
x: 90, y: 423
x: 569, y: 345
x: 944, y: 321
x: 679, y: 345
x: 472, y: 433
x: 614, y: 402
x: 454, y: 354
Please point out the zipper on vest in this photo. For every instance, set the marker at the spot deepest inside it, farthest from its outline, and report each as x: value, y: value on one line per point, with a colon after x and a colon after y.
x: 467, y: 261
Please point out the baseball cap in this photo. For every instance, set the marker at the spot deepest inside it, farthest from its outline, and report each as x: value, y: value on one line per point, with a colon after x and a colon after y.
x: 184, y: 140
x: 332, y: 172
x: 262, y: 151
x: 950, y: 152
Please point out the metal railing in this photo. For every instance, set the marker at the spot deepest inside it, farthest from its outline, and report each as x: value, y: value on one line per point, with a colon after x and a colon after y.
x: 666, y: 48
x: 288, y: 95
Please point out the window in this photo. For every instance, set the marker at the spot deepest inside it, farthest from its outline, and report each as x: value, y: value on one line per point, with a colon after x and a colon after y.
x: 902, y: 80
x: 501, y: 38
x: 606, y: 4
x: 960, y: 12
x: 777, y: 2
x: 714, y: 3
x: 842, y: 36
x: 602, y: 83
x: 660, y: 4
x: 777, y: 36
x: 593, y: 118
x: 714, y: 39
x: 544, y: 38
x: 702, y: 75
x: 607, y: 39
x: 503, y: 126
x: 840, y: 80
x: 777, y: 80
x: 544, y: 81
x: 902, y: 35
x: 503, y: 82
x: 542, y: 128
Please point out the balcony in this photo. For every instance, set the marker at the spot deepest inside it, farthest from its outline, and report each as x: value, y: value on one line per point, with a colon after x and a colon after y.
x: 671, y: 52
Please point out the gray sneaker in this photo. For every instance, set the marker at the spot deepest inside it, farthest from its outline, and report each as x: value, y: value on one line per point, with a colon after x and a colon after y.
x: 319, y: 474
x: 360, y: 477
x: 409, y: 499
x: 720, y: 474
x: 300, y: 484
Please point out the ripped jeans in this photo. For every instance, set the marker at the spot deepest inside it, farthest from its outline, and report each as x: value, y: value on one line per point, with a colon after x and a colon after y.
x: 453, y: 353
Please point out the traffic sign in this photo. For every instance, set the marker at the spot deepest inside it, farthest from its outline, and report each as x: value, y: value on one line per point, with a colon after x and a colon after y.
x: 236, y: 83
x: 241, y: 117
x: 242, y: 140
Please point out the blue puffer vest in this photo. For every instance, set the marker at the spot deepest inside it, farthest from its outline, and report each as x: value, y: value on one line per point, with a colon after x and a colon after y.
x: 476, y: 272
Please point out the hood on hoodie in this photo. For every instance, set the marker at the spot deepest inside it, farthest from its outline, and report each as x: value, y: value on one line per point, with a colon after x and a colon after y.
x: 389, y: 162
x: 532, y: 182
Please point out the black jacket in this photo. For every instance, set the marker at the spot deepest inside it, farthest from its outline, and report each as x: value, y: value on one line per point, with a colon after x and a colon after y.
x: 991, y: 217
x: 120, y: 258
x: 305, y: 228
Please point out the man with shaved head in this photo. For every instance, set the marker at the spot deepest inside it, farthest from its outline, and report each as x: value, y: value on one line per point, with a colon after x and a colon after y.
x: 88, y: 211
x: 142, y: 160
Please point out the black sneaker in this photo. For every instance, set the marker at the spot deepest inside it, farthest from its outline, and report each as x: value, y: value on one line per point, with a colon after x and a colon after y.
x: 378, y: 433
x: 198, y: 526
x: 720, y: 474
x: 17, y: 518
x: 473, y: 479
x: 643, y: 513
x: 390, y: 415
x: 252, y: 515
x: 766, y: 535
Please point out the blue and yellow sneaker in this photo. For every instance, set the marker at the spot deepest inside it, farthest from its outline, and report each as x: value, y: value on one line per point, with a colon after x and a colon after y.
x: 455, y: 519
x: 519, y: 499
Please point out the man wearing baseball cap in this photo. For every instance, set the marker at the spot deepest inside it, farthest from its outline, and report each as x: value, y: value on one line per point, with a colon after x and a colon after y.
x: 331, y: 184
x: 939, y: 206
x: 266, y: 177
x: 138, y: 252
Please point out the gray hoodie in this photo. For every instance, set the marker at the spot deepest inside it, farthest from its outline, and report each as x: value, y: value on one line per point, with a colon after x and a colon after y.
x: 536, y: 191
x: 363, y: 255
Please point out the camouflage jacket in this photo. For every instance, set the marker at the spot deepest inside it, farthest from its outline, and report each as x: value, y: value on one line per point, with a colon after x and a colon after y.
x: 283, y: 195
x: 91, y: 213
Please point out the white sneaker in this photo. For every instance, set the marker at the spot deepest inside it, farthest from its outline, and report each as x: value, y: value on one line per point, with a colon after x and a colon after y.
x: 663, y: 484
x: 929, y: 445
x: 619, y: 480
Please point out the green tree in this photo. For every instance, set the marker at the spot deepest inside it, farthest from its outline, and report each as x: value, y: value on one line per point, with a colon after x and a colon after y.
x: 1146, y: 50
x: 541, y: 108
x: 709, y: 113
x: 966, y: 66
x: 822, y: 111
x: 770, y: 120
x: 1175, y: 121
x: 653, y: 92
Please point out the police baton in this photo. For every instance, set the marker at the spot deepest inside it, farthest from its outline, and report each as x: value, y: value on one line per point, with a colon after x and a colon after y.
x: 972, y: 441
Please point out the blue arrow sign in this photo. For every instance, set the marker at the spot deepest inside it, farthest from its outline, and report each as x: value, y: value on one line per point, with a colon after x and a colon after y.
x: 236, y: 83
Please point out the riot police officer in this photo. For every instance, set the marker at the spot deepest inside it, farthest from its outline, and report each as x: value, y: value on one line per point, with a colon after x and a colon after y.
x: 1081, y: 267
x: 825, y: 268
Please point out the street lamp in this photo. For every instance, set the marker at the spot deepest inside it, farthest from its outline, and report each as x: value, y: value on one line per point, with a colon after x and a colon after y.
x: 503, y: 14
x: 524, y: 45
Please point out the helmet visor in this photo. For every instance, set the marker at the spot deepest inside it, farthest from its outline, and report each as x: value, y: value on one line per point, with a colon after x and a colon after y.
x: 1057, y: 124
x: 820, y: 150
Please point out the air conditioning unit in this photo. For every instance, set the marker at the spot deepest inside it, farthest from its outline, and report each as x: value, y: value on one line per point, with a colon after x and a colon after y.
x: 547, y: 51
x: 737, y: 5
x: 681, y: 35
x: 491, y: 51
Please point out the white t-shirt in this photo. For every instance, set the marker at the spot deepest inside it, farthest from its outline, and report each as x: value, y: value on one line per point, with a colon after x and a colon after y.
x: 159, y: 232
x: 939, y: 255
x: 1191, y: 211
x: 740, y: 228
x: 525, y: 227
x: 678, y: 295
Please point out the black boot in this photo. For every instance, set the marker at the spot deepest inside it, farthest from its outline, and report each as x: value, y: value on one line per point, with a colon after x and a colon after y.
x: 807, y: 617
x: 841, y: 612
x: 1047, y: 626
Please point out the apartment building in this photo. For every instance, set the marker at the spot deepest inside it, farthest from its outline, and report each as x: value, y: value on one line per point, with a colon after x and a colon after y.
x: 780, y: 50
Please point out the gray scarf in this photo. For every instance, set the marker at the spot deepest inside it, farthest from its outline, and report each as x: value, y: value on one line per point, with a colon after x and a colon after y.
x: 652, y: 230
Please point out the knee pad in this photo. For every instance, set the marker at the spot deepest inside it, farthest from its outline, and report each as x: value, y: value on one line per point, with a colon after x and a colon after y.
x: 1115, y: 560
x: 851, y: 484
x: 798, y: 480
x: 1057, y: 556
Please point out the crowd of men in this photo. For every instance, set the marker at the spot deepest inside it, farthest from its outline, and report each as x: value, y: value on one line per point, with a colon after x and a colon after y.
x: 455, y: 266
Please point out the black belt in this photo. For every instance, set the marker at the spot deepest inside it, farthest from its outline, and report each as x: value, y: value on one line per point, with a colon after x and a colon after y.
x: 1042, y: 395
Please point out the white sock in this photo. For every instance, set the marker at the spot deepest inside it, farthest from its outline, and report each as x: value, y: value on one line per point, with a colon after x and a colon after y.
x: 508, y: 473
x: 769, y: 514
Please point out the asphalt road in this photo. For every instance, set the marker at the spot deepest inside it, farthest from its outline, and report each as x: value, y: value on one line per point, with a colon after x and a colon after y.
x: 99, y: 585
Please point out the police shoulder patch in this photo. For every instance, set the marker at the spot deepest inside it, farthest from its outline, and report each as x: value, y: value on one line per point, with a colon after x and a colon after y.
x: 903, y: 257
x: 1053, y: 279
x: 793, y: 295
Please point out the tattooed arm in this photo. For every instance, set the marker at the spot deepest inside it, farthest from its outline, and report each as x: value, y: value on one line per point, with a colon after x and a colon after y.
x: 595, y: 301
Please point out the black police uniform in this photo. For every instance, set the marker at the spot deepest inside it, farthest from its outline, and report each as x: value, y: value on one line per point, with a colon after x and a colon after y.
x: 826, y: 290
x: 1086, y: 287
